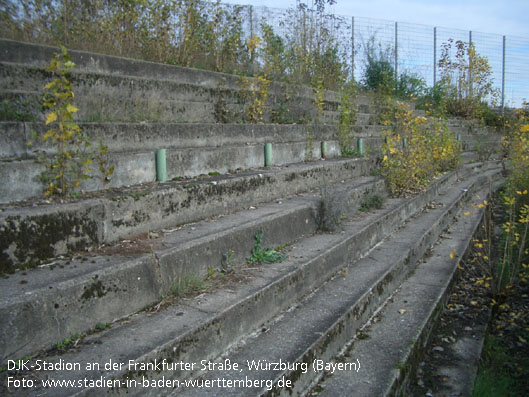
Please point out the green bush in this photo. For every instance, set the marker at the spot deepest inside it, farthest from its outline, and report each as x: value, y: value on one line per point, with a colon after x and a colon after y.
x: 379, y: 73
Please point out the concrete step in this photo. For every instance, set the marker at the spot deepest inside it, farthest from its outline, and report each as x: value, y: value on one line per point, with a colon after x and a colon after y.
x: 105, y: 97
x: 391, y: 347
x: 202, y: 328
x: 133, y: 137
x: 192, y: 149
x: 81, y: 292
x: 312, y: 332
x: 36, y: 232
x: 36, y: 55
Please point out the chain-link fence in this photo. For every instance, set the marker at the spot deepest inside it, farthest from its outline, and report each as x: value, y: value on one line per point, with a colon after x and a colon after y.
x: 415, y: 48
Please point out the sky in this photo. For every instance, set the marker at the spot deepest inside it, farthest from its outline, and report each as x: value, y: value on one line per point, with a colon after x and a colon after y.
x: 486, y: 16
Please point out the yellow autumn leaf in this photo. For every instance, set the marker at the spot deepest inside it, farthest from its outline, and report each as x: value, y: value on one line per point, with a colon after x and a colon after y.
x: 467, y: 213
x: 71, y: 108
x: 51, y: 118
x: 453, y: 254
x: 49, y: 134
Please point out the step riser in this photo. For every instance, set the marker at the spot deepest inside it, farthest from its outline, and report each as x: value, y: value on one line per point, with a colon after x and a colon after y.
x: 193, y: 157
x: 99, y: 296
x: 138, y: 213
x: 217, y: 335
x: 40, y: 56
x: 21, y: 180
x: 96, y: 96
x: 330, y: 344
x: 129, y: 137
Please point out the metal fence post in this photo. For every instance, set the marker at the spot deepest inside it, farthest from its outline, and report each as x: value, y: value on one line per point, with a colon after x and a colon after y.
x: 470, y: 64
x: 396, y: 50
x: 434, y: 55
x: 352, y: 48
x: 503, y: 79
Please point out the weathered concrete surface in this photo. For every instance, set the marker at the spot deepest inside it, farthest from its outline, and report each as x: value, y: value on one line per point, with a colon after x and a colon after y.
x: 40, y: 55
x: 113, y: 97
x: 394, y: 344
x: 226, y: 316
x: 92, y: 290
x: 31, y: 234
x: 133, y: 137
x: 163, y: 206
x: 338, y: 308
x: 192, y: 149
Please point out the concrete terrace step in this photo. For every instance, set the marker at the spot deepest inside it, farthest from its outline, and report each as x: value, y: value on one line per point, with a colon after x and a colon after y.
x: 40, y: 55
x: 391, y: 347
x: 35, y: 233
x: 319, y: 326
x: 105, y: 97
x: 132, y: 137
x: 79, y: 293
x: 202, y: 328
x: 192, y: 150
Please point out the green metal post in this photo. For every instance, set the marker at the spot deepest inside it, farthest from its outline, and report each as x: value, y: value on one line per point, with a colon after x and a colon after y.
x: 360, y: 146
x: 268, y: 154
x: 324, y: 149
x: 161, y: 165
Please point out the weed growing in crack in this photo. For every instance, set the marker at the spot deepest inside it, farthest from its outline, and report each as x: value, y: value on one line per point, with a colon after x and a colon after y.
x: 261, y: 256
x: 186, y: 284
x: 66, y: 343
x: 330, y: 210
x: 372, y: 202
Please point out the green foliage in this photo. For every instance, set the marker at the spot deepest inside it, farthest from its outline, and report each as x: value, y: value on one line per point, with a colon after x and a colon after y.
x: 348, y: 113
x: 465, y: 79
x: 379, y: 73
x: 409, y: 86
x: 187, y: 283
x: 261, y: 256
x: 373, y: 201
x: 273, y: 53
x: 101, y: 326
x: 20, y: 109
x: 430, y: 150
x: 102, y: 159
x: 254, y: 92
x: 496, y: 375
x: 66, y: 170
x: 350, y: 152
x: 67, y: 342
x: 71, y: 163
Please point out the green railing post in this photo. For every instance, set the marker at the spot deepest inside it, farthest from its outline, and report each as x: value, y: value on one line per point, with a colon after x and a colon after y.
x: 268, y: 154
x: 360, y: 146
x: 161, y: 165
x: 324, y: 149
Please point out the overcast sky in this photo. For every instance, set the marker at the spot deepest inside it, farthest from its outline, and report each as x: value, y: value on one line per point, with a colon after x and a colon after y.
x: 487, y: 16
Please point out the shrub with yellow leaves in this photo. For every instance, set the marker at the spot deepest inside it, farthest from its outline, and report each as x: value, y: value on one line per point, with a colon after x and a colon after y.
x: 71, y: 164
x: 416, y: 150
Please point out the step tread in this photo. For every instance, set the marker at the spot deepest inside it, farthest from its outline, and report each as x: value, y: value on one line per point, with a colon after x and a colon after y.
x: 97, y: 282
x: 288, y: 338
x: 307, y: 248
x: 386, y: 355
